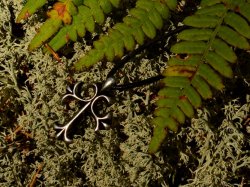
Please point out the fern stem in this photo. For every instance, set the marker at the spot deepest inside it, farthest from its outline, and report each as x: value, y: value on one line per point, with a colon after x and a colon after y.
x: 138, y: 84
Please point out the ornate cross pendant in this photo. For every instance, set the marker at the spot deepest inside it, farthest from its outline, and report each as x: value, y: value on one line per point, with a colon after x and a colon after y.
x: 89, y: 105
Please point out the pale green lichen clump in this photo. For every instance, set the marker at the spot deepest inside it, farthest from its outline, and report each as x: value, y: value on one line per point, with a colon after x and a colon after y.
x: 116, y: 157
x: 222, y: 154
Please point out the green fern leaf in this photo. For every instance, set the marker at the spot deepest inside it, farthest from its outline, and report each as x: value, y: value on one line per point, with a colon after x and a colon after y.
x: 79, y: 26
x: 160, y: 132
x: 171, y: 4
x: 117, y: 46
x: 208, y: 74
x: 219, y: 64
x: 71, y: 8
x: 195, y: 34
x: 94, y: 56
x: 166, y: 123
x: 109, y: 51
x: 185, y: 106
x: 148, y: 27
x: 221, y: 48
x: 115, y: 3
x: 195, y: 47
x: 96, y: 10
x: 137, y: 32
x: 154, y: 17
x: 177, y: 81
x: 175, y: 113
x: 170, y: 92
x: 72, y: 34
x: 59, y: 40
x: 216, y: 10
x: 202, y: 21
x: 202, y: 87
x: 232, y: 37
x: 87, y: 18
x: 162, y: 9
x: 238, y: 23
x: 166, y: 102
x: 216, y: 28
x: 244, y: 10
x: 30, y: 8
x: 106, y: 6
x: 192, y: 95
x: 128, y: 39
x: 45, y: 32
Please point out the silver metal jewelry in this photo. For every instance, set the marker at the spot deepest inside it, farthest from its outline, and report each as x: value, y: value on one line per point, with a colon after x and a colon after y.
x: 90, y: 103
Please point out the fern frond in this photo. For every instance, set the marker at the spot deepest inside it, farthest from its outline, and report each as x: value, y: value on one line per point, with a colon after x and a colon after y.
x: 78, y: 17
x: 215, y: 28
x: 90, y: 13
x: 141, y: 22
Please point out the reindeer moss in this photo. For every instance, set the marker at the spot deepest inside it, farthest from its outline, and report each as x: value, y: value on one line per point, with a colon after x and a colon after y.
x: 205, y: 153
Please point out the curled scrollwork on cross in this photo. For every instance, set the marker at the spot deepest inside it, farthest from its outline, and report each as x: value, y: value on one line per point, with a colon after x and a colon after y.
x: 89, y: 105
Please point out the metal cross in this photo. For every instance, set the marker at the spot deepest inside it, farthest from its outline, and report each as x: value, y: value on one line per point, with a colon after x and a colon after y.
x: 89, y: 103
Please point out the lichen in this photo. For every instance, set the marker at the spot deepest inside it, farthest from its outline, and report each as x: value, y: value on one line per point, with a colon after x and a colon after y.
x: 223, y: 154
x: 31, y: 86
